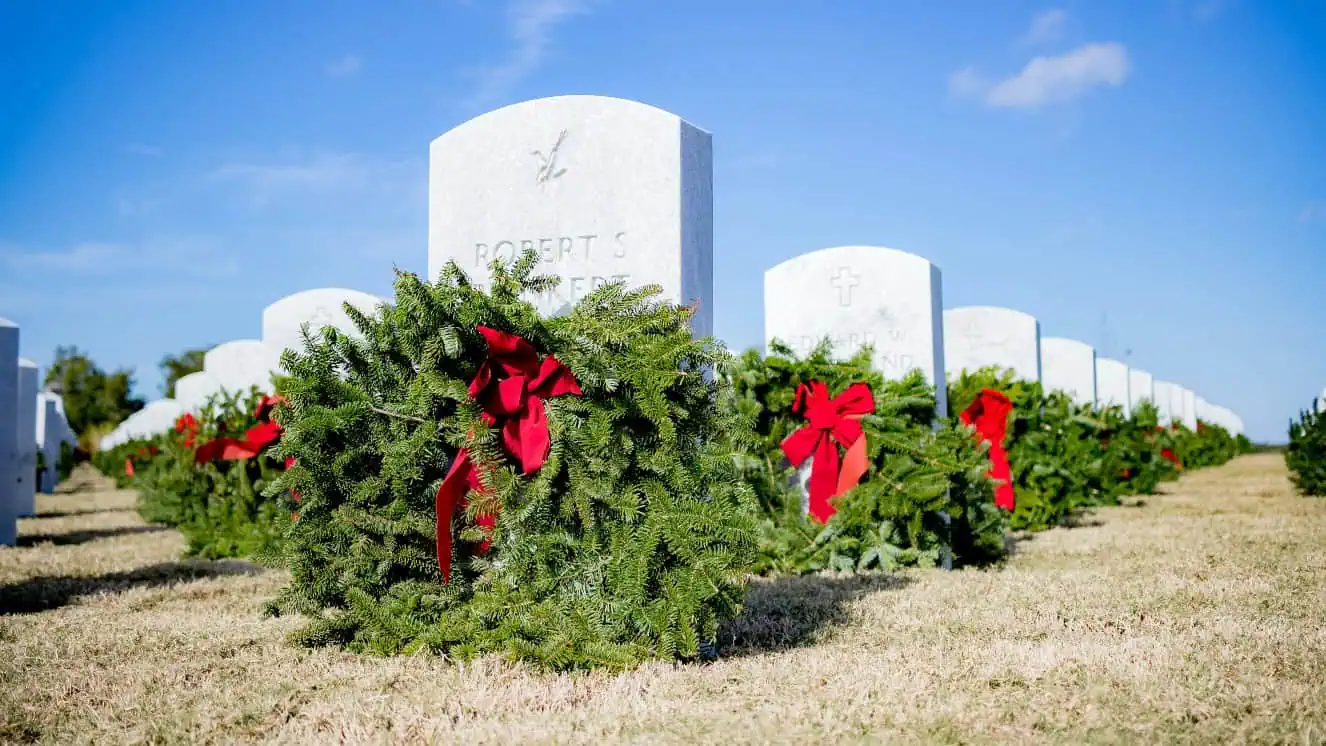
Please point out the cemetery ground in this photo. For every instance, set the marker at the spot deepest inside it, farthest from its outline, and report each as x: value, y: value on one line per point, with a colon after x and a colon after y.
x: 1196, y: 615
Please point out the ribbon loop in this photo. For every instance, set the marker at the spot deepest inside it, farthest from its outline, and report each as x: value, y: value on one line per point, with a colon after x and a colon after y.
x: 988, y: 413
x: 509, y: 387
x: 830, y: 422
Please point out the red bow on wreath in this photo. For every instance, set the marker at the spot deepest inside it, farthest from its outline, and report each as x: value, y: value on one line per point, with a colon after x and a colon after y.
x: 509, y: 387
x: 989, y: 414
x: 255, y: 438
x: 189, y: 426
x: 830, y: 423
x: 1166, y: 453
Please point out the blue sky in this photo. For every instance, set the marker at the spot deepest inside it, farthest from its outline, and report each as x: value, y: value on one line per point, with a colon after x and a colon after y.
x: 1146, y: 176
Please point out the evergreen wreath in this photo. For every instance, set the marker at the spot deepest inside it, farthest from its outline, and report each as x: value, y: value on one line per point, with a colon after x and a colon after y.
x: 889, y: 513
x: 631, y: 540
x: 1306, y: 454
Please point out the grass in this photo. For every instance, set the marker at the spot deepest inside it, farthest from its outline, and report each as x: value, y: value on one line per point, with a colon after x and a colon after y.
x: 1196, y: 616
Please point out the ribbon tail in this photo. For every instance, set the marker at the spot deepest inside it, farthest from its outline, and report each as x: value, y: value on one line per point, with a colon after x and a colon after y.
x: 1005, y: 497
x: 854, y: 467
x: 449, y: 495
x: 823, y: 479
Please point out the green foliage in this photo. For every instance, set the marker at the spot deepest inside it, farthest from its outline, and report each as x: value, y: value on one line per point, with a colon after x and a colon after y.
x: 218, y: 505
x: 91, y: 395
x: 1064, y: 456
x: 144, y: 452
x: 632, y: 541
x: 1306, y: 454
x: 917, y: 474
x: 1210, y: 445
x: 175, y: 367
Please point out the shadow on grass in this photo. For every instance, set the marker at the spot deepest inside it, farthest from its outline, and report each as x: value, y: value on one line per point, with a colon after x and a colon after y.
x: 790, y: 612
x: 52, y: 592
x: 73, y: 513
x: 82, y: 537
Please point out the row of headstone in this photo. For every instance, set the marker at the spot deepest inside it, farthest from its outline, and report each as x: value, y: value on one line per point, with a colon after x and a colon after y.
x: 606, y: 189
x: 31, y: 421
x: 236, y: 366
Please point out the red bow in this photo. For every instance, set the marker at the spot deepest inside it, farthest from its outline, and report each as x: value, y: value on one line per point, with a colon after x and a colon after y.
x: 1170, y: 455
x: 189, y: 426
x: 513, y: 400
x: 830, y: 420
x: 989, y: 414
x: 255, y: 438
x: 129, y: 467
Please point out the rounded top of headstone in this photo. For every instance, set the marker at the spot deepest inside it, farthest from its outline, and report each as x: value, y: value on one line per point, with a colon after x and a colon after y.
x: 1066, y: 343
x: 1110, y: 361
x: 1010, y: 313
x: 233, y: 347
x: 26, y: 363
x: 6, y: 322
x: 851, y: 253
x: 333, y: 296
x: 581, y: 105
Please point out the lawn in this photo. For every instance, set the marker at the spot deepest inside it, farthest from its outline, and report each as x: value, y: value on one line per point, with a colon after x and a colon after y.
x: 1194, y: 616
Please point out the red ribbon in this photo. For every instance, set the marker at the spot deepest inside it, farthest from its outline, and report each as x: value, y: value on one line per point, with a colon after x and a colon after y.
x: 189, y: 426
x: 129, y: 467
x: 989, y: 414
x: 831, y: 422
x: 1168, y: 454
x: 510, y: 387
x: 254, y: 441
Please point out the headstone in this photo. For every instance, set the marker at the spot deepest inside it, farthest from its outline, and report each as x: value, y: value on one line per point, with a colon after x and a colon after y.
x: 8, y: 431
x: 1203, y: 410
x: 194, y: 390
x: 1069, y: 366
x: 976, y: 337
x: 1189, y: 403
x: 1112, y: 385
x: 53, y: 430
x: 604, y: 189
x: 857, y: 296
x: 29, y: 386
x: 1168, y: 396
x: 156, y: 417
x: 320, y: 307
x: 1140, y: 389
x: 238, y: 365
x: 1321, y: 401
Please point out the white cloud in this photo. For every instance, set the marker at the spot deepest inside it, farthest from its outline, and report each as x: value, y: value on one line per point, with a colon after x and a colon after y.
x: 529, y: 25
x: 1313, y: 211
x: 1049, y: 80
x: 141, y: 149
x: 202, y: 256
x: 1046, y: 27
x: 345, y: 66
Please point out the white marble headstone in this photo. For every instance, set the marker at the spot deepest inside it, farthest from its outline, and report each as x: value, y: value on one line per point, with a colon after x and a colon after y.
x: 53, y: 430
x: 1189, y: 404
x: 194, y: 390
x: 29, y: 385
x: 319, y: 307
x: 238, y: 365
x: 1321, y: 401
x: 859, y: 295
x: 1140, y: 388
x: 8, y: 431
x: 604, y: 189
x: 1112, y: 385
x: 156, y: 417
x: 1069, y: 366
x: 976, y: 337
x: 1169, y: 401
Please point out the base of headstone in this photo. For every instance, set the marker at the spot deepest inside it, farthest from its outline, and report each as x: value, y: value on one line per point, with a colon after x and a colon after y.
x: 709, y: 651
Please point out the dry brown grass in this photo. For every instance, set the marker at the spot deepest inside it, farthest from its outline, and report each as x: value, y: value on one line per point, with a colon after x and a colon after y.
x: 1196, y: 617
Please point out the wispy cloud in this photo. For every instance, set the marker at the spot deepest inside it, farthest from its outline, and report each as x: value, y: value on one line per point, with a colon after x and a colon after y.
x: 258, y: 182
x: 1048, y: 80
x: 191, y: 255
x: 147, y: 150
x: 529, y: 28
x: 345, y: 66
x: 1209, y: 10
x: 1047, y: 27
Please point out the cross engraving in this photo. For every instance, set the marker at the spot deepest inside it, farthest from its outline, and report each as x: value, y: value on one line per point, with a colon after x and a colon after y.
x: 548, y: 169
x: 845, y: 280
